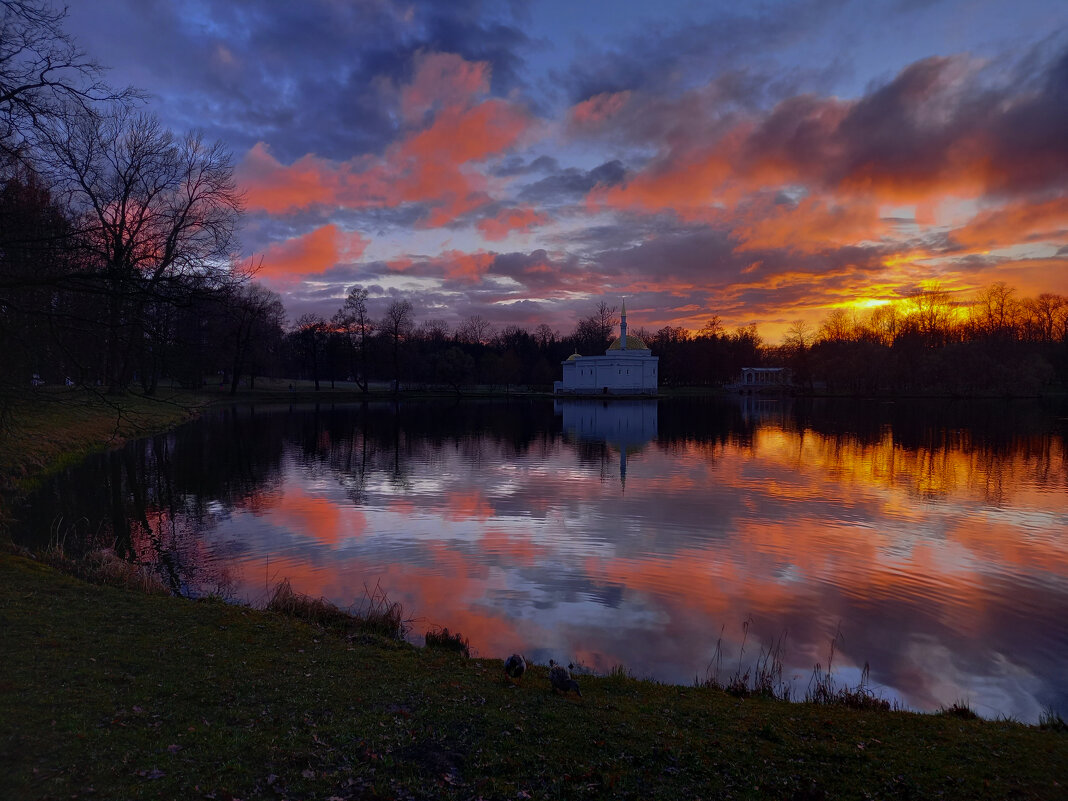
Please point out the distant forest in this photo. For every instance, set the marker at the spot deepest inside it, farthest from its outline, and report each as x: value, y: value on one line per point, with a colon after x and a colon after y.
x: 117, y: 270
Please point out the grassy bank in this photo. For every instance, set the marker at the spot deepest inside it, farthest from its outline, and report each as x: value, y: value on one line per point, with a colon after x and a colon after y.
x: 121, y: 694
x: 44, y: 431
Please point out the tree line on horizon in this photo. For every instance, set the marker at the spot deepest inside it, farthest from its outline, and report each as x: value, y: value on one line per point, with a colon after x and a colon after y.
x: 398, y: 350
x: 118, y: 268
x: 993, y: 343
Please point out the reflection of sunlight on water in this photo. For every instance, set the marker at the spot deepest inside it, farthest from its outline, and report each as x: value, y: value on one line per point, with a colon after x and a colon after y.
x: 945, y: 566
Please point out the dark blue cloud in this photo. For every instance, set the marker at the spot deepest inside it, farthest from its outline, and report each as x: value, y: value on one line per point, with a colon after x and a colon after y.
x: 677, y: 57
x: 311, y: 77
x: 572, y: 183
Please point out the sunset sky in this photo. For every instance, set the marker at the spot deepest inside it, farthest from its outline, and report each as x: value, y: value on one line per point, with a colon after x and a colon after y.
x: 761, y: 161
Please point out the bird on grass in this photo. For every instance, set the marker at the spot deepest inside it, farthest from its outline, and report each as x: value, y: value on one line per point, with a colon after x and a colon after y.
x: 560, y: 679
x: 514, y: 667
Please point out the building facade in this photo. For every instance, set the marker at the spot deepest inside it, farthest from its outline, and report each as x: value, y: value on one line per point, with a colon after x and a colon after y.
x: 627, y: 368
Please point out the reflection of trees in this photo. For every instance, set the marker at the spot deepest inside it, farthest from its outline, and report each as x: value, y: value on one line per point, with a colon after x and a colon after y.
x: 708, y: 421
x: 937, y: 448
x: 385, y: 439
x: 153, y: 500
x: 594, y: 454
x: 354, y: 455
x: 160, y: 495
x: 172, y: 487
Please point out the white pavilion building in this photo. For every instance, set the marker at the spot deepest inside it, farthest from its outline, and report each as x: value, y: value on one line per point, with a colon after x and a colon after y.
x: 628, y: 367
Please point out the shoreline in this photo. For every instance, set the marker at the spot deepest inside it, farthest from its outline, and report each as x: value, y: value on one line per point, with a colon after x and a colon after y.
x: 432, y: 718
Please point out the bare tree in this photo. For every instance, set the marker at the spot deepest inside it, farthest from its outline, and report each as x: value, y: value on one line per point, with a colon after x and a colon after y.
x: 839, y: 326
x: 454, y: 367
x: 885, y: 323
x: 152, y: 209
x: 1047, y: 315
x: 797, y: 344
x: 435, y: 331
x: 749, y: 336
x: 397, y: 325
x: 545, y: 336
x: 606, y: 320
x: 931, y: 313
x: 43, y: 74
x: 594, y: 333
x: 712, y: 328
x: 474, y: 331
x: 996, y: 312
x: 799, y: 336
x: 311, y: 332
x: 354, y: 323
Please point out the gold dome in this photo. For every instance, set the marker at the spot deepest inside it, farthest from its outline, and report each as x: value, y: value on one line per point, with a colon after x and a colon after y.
x: 633, y: 343
x: 573, y: 356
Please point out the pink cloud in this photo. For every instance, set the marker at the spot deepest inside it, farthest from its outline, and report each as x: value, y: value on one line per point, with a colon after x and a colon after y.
x: 497, y: 228
x: 452, y: 265
x: 277, y: 188
x: 312, y: 253
x: 812, y: 225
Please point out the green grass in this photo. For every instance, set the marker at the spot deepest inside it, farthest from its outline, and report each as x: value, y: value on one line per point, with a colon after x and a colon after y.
x: 119, y: 694
x: 50, y: 429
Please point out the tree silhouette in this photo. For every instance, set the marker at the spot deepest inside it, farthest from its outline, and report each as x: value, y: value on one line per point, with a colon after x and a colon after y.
x: 152, y: 209
x: 397, y: 324
x: 44, y: 76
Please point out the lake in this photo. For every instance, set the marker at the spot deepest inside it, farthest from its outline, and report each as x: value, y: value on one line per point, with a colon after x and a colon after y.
x: 678, y: 537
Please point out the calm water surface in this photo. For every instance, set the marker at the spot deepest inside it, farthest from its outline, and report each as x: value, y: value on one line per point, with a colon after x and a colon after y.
x: 926, y: 539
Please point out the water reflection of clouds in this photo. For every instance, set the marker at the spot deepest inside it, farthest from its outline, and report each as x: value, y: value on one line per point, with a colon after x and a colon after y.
x: 945, y: 567
x: 641, y: 581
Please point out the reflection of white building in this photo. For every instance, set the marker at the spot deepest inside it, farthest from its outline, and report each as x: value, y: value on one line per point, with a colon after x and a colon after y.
x: 627, y: 368
x: 764, y: 409
x: 764, y: 379
x: 623, y: 424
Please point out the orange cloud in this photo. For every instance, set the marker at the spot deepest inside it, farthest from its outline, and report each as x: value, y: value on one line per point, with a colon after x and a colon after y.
x: 1016, y: 223
x: 461, y: 135
x: 933, y: 132
x: 811, y: 226
x: 522, y: 219
x: 695, y: 185
x: 312, y: 253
